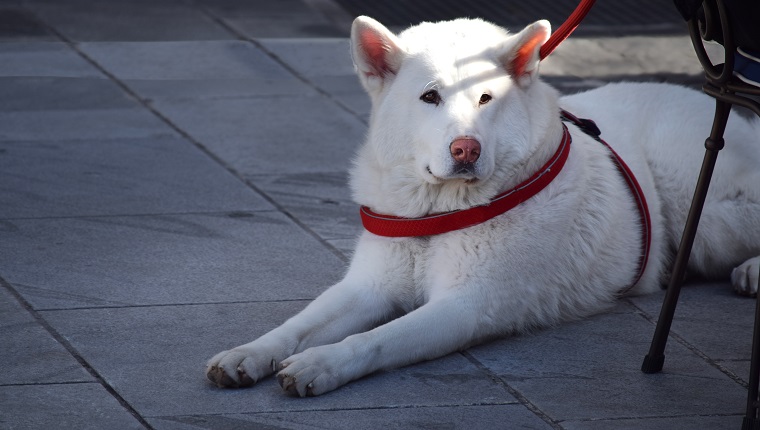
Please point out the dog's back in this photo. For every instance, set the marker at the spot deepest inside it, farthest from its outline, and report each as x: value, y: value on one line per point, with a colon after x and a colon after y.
x: 660, y: 130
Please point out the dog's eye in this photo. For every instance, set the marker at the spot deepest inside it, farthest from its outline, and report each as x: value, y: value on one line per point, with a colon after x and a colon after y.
x: 431, y: 97
x: 485, y: 98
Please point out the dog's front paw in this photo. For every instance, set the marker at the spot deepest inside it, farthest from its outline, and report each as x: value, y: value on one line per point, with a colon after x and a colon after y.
x: 314, y: 371
x: 239, y: 367
x: 744, y: 277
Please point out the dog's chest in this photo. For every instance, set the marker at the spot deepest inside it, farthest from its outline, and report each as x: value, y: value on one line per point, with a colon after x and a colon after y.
x: 446, y: 261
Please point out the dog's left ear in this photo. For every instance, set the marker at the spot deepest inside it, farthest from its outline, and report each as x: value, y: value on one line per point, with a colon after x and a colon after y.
x: 521, y: 58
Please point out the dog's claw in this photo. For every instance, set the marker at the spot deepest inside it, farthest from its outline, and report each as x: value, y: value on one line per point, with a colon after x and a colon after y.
x: 288, y: 383
x: 221, y: 379
x: 218, y: 376
x: 245, y: 380
x: 211, y: 375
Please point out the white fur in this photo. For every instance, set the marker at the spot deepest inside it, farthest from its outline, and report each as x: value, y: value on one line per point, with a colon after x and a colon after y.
x: 566, y: 253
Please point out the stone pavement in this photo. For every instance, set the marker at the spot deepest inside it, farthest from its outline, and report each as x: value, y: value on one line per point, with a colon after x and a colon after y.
x: 173, y: 183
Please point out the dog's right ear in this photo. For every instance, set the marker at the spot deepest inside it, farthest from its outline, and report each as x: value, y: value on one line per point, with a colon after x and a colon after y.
x: 376, y: 53
x: 523, y: 55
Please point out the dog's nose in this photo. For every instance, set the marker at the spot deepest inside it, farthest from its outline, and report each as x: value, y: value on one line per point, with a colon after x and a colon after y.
x: 465, y: 150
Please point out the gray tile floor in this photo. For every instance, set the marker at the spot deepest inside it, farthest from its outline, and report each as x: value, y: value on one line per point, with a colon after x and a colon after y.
x: 173, y: 183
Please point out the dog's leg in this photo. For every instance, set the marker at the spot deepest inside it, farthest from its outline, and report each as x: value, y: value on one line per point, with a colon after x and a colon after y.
x: 441, y: 326
x: 338, y: 312
x: 729, y: 235
x: 366, y: 297
x: 744, y: 277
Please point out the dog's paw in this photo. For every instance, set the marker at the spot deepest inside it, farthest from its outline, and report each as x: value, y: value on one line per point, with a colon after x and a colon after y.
x: 744, y: 277
x: 239, y: 367
x: 313, y: 372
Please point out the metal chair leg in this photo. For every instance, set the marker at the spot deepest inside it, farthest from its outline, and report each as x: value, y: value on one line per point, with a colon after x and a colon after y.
x: 752, y: 418
x: 654, y: 361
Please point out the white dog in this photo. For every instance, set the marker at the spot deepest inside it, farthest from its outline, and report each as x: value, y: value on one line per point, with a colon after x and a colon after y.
x: 459, y: 116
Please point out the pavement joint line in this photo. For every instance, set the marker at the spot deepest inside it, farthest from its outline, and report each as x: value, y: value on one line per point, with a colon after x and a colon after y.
x: 234, y: 32
x: 169, y: 305
x: 524, y: 401
x: 324, y: 242
x: 85, y: 140
x: 693, y: 349
x: 74, y: 353
x: 147, y: 105
x: 34, y: 384
x: 334, y: 13
x: 241, y: 36
x: 653, y: 417
x: 230, y: 214
x: 141, y: 100
x: 356, y: 408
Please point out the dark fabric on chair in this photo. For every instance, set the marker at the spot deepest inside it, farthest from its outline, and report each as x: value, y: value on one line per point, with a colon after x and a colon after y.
x: 743, y: 14
x: 688, y: 8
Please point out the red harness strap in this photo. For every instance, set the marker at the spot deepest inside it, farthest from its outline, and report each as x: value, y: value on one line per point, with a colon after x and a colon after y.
x: 589, y: 127
x: 393, y: 226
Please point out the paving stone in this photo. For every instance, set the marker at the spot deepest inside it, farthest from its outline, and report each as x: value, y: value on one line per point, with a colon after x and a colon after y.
x: 315, y: 57
x: 17, y: 24
x: 327, y: 64
x: 677, y: 423
x: 163, y: 259
x: 41, y: 59
x: 347, y: 90
x: 322, y: 201
x: 53, y: 93
x: 591, y: 370
x: 187, y: 89
x: 89, y: 20
x: 30, y: 355
x: 623, y: 57
x: 63, y: 406
x: 725, y: 335
x: 198, y: 69
x: 272, y: 135
x: 620, y: 17
x: 81, y: 124
x: 116, y: 177
x: 449, y: 418
x: 161, y: 353
x: 740, y: 368
x: 262, y: 18
x: 345, y: 246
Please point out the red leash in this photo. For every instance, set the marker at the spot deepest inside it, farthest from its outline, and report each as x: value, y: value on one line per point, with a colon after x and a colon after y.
x: 566, y: 28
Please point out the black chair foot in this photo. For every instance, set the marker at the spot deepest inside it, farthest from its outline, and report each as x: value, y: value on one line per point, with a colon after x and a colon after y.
x: 751, y: 423
x: 653, y: 364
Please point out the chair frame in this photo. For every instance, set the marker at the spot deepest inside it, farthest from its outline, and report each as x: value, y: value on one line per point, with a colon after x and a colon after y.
x: 723, y: 86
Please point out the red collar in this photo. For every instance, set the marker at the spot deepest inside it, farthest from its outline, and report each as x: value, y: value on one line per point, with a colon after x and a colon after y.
x: 428, y: 225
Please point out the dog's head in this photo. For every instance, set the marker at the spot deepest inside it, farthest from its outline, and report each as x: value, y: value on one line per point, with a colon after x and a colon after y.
x: 450, y: 108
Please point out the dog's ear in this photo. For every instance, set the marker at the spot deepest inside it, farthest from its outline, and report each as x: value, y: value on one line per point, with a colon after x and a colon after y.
x: 376, y: 53
x: 521, y: 59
